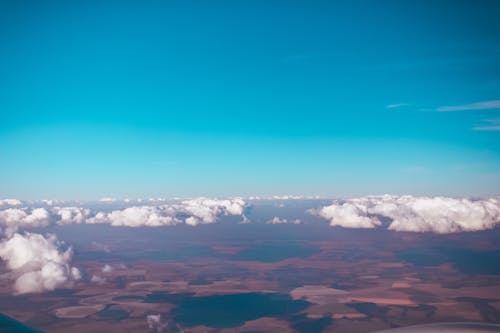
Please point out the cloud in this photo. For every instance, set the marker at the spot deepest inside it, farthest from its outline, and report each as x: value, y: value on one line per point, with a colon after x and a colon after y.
x: 347, y: 215
x: 137, y: 216
x: 397, y: 105
x: 108, y: 200
x: 415, y: 214
x: 487, y: 105
x: 97, y: 279
x: 278, y: 220
x: 37, y: 263
x: 156, y: 324
x: 490, y: 125
x: 205, y: 211
x: 11, y: 219
x: 9, y: 202
x: 192, y: 212
x: 284, y: 197
x: 107, y: 269
x: 70, y: 215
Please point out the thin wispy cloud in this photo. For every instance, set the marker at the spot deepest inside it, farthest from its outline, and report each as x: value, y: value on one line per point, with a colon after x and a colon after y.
x: 397, y: 105
x: 489, y: 125
x: 486, y: 105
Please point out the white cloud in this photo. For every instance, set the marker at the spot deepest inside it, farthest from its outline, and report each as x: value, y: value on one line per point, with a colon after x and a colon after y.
x: 397, y: 105
x: 205, y: 211
x: 347, y: 215
x: 107, y: 269
x: 495, y: 104
x: 70, y: 215
x: 197, y: 211
x: 9, y: 202
x: 11, y: 219
x: 136, y: 216
x: 417, y: 214
x: 278, y: 220
x: 37, y: 263
x: 156, y: 323
x: 193, y: 212
x: 108, y: 200
x: 284, y: 197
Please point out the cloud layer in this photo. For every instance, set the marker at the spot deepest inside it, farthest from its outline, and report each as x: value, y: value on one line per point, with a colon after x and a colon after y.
x: 415, y: 214
x: 192, y: 212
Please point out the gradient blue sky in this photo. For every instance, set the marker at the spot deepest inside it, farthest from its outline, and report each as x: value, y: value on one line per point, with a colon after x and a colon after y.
x: 222, y: 98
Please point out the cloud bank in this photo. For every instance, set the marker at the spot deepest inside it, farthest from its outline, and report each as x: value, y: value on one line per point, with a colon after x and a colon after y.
x: 414, y: 214
x: 192, y: 212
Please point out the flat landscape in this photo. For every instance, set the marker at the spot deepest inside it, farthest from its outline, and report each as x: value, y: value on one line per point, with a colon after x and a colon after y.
x: 263, y: 277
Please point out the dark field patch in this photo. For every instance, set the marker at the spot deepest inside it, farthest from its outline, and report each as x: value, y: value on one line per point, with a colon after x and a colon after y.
x: 113, y: 314
x: 487, y: 311
x: 302, y: 324
x: 222, y: 311
x: 369, y: 309
x: 128, y: 297
x: 465, y: 260
x: 165, y: 297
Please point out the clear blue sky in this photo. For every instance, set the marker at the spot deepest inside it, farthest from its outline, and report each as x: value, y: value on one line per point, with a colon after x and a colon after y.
x: 184, y: 98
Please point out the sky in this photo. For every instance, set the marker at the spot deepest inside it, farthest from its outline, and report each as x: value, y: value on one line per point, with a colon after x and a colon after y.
x: 227, y: 98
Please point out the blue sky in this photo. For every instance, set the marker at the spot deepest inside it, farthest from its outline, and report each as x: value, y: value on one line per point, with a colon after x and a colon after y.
x: 188, y: 98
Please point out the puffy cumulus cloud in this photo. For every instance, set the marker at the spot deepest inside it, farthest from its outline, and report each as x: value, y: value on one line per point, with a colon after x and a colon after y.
x: 348, y: 215
x: 137, y: 216
x: 10, y: 202
x: 205, y: 211
x: 38, y: 264
x: 70, y: 215
x: 192, y: 212
x: 11, y: 219
x: 416, y: 214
